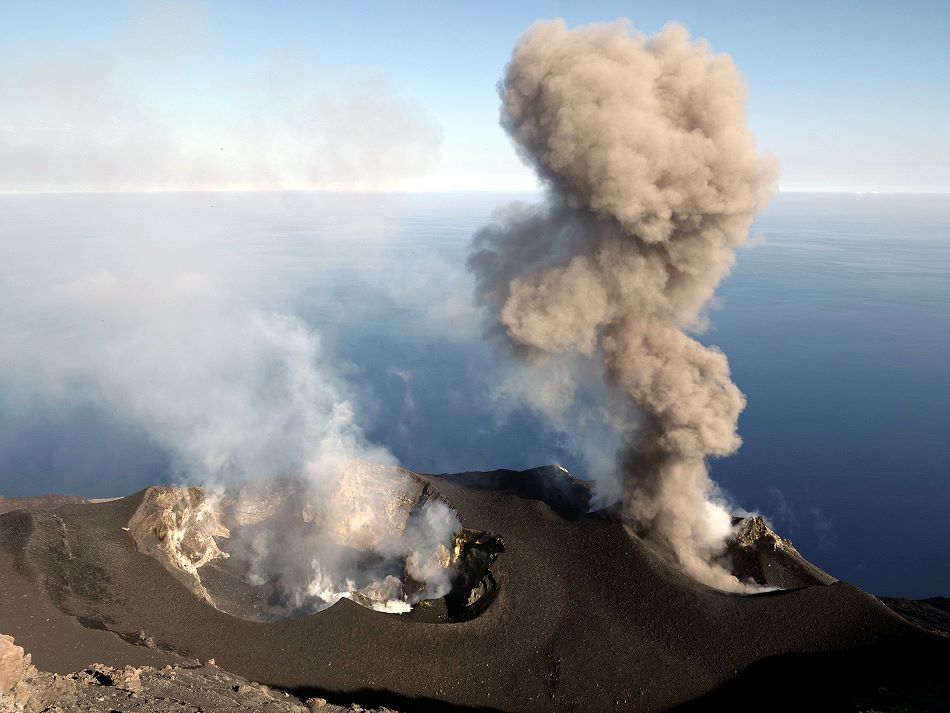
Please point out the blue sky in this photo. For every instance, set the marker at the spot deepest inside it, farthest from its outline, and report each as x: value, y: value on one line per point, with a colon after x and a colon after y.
x: 848, y: 96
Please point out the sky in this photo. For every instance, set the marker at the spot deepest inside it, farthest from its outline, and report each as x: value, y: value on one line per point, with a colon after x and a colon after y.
x: 187, y: 95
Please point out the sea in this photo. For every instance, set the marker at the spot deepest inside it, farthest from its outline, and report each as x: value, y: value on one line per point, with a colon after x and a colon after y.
x: 835, y: 320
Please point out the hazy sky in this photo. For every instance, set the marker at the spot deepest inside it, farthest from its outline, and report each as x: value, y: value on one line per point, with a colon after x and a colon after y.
x: 201, y: 95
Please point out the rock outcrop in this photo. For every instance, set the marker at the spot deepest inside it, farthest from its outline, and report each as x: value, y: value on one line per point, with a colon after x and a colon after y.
x: 759, y: 554
x: 178, y: 527
x: 15, y: 670
x: 184, y: 688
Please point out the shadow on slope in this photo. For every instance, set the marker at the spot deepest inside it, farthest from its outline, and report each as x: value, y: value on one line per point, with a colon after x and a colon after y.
x: 910, y: 677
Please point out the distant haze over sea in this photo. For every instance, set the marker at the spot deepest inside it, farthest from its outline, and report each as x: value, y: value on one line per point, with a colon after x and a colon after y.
x: 836, y: 322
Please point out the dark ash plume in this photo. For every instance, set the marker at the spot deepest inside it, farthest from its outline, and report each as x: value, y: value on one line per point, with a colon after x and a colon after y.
x: 653, y: 179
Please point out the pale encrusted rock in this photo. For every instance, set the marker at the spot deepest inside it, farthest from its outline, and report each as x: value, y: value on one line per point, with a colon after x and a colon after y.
x: 753, y: 531
x: 178, y: 527
x: 15, y: 665
x: 128, y: 679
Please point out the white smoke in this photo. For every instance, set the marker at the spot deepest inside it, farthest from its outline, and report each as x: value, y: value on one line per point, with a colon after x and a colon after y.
x: 653, y: 180
x: 162, y: 333
x: 353, y: 530
x: 230, y: 391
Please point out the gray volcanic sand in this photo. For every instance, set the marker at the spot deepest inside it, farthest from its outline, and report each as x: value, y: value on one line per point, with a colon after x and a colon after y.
x: 585, y: 617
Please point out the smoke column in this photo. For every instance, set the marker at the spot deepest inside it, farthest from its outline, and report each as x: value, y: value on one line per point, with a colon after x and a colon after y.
x: 652, y: 181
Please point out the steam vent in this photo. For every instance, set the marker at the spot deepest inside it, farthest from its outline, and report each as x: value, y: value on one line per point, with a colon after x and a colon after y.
x: 495, y: 591
x: 384, y: 538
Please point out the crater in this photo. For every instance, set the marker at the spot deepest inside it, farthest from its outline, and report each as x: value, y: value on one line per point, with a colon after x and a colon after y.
x: 382, y: 537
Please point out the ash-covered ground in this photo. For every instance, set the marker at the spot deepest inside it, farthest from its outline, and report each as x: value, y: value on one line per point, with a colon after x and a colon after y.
x: 551, y: 607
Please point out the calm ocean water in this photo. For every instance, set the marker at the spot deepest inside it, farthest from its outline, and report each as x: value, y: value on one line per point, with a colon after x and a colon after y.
x: 836, y: 321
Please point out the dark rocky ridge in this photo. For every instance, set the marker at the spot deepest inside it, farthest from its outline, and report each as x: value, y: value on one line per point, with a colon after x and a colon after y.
x: 49, y: 501
x: 584, y: 617
x: 932, y: 614
x: 759, y: 554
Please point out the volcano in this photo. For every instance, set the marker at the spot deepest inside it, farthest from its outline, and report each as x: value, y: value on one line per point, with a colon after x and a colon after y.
x: 550, y: 607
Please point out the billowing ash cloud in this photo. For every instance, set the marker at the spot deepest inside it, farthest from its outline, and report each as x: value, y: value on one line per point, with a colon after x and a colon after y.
x: 653, y: 180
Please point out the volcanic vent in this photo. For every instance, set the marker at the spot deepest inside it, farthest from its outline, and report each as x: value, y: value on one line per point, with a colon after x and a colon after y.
x: 276, y: 549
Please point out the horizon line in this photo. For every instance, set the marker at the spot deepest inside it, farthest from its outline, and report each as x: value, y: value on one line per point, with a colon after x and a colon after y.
x: 393, y: 191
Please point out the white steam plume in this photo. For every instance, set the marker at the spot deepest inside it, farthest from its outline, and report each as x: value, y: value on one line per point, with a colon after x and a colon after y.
x: 227, y: 390
x: 653, y: 180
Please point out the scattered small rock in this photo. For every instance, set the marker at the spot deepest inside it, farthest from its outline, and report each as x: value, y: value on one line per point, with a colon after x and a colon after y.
x: 139, y: 689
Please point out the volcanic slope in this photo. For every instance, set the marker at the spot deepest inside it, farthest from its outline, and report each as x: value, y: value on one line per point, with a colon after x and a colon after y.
x: 581, y: 616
